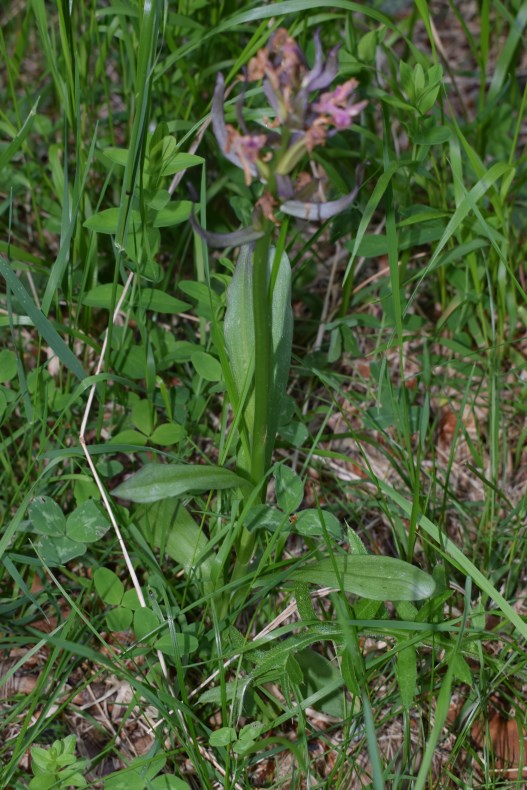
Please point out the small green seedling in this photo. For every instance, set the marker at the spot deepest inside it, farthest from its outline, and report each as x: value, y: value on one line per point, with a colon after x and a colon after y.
x: 57, y: 767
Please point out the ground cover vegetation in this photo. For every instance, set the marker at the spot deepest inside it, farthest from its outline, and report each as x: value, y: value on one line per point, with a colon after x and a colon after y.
x: 262, y: 394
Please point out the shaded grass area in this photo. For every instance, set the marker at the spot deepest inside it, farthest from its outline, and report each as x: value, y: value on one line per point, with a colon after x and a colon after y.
x: 402, y: 433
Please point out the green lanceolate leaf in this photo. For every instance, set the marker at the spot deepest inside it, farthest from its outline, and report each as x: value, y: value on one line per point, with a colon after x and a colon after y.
x: 239, y: 335
x: 282, y: 337
x: 158, y: 481
x: 169, y: 526
x: 406, y: 672
x: 371, y: 576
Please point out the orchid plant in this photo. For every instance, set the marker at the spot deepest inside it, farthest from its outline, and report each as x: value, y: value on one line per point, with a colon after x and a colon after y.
x: 303, y: 114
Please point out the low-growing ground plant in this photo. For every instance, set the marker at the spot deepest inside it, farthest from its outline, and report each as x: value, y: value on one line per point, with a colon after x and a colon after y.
x: 262, y: 441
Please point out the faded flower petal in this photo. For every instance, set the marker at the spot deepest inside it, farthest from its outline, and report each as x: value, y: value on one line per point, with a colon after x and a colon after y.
x: 247, y: 148
x: 258, y: 65
x: 220, y: 128
x: 315, y: 81
x: 235, y: 239
x: 272, y: 98
x: 315, y: 135
x: 318, y: 211
x: 288, y: 58
x: 284, y: 187
x: 335, y: 105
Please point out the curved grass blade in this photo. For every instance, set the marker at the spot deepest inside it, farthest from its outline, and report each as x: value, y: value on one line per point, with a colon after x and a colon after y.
x: 44, y: 327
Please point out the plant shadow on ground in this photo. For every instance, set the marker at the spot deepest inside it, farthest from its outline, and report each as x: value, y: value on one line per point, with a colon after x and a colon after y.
x: 353, y: 614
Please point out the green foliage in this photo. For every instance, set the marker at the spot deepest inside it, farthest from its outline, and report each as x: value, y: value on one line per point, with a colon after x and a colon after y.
x: 62, y: 539
x: 57, y: 766
x: 378, y: 578
x: 314, y: 445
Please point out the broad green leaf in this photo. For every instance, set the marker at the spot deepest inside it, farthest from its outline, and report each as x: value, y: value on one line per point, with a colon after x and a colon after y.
x: 118, y: 156
x: 207, y: 300
x: 206, y: 366
x: 371, y: 576
x: 161, y: 302
x: 309, y: 523
x: 87, y: 523
x: 101, y: 296
x: 119, y: 619
x: 460, y: 668
x: 145, y: 622
x: 149, y: 270
x: 264, y: 517
x: 171, y: 528
x: 131, y: 362
x: 109, y: 586
x: 173, y: 214
x: 143, y: 416
x: 168, y: 434
x: 129, y: 436
x: 3, y: 402
x: 318, y: 674
x: 124, y: 780
x: 158, y: 481
x: 181, y: 161
x: 109, y: 467
x: 185, y: 643
x: 131, y: 599
x: 107, y: 221
x: 289, y: 489
x: 251, y: 731
x: 233, y: 690
x: 295, y: 432
x: 159, y: 200
x: 148, y: 766
x: 168, y: 782
x: 222, y: 737
x: 59, y: 551
x: 407, y: 675
x: 436, y: 135
x: 293, y: 671
x: 47, y: 517
x: 7, y: 365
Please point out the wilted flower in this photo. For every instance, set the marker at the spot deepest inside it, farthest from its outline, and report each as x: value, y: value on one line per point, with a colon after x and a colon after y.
x: 246, y: 147
x: 336, y: 108
x: 303, y: 122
